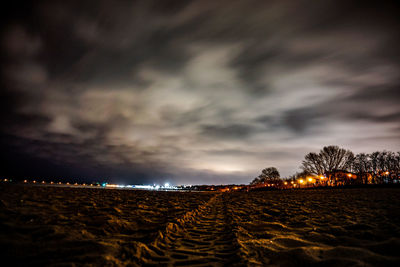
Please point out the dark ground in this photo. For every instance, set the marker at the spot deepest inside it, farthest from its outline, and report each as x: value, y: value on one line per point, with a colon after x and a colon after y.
x: 78, y: 226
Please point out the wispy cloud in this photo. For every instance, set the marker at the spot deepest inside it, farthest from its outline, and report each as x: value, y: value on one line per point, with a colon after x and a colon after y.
x: 198, y: 91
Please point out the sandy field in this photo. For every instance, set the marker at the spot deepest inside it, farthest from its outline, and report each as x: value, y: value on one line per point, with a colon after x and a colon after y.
x: 54, y: 226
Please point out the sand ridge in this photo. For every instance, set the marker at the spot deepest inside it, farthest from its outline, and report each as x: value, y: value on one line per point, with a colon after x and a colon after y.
x: 42, y: 226
x: 69, y: 226
x: 202, y: 237
x: 330, y: 228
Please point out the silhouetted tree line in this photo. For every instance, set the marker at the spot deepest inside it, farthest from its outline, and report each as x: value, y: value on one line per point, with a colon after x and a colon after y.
x: 375, y: 168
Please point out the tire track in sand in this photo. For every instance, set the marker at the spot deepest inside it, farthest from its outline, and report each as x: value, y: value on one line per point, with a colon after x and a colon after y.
x: 202, y: 237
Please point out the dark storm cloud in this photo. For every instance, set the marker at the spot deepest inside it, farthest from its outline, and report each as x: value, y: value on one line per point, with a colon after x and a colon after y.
x: 300, y: 119
x: 195, y: 91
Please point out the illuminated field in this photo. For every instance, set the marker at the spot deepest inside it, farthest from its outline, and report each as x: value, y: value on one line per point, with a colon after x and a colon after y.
x: 54, y: 225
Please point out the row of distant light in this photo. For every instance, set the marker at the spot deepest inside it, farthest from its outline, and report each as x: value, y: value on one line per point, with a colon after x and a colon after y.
x: 152, y: 187
x: 301, y: 181
x: 43, y: 182
x: 309, y: 180
x: 60, y: 183
x: 149, y: 187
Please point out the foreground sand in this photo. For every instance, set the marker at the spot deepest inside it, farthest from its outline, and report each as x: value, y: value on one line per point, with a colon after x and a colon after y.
x: 76, y: 226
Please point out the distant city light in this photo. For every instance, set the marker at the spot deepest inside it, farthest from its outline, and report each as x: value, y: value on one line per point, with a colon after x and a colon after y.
x: 144, y: 186
x: 166, y: 186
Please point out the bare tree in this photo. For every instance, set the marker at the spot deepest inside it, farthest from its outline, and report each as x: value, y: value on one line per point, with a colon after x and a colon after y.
x: 383, y: 161
x: 381, y: 164
x: 362, y: 165
x: 268, y: 175
x: 255, y: 181
x: 374, y: 161
x: 397, y: 164
x: 329, y: 158
x: 387, y: 165
x: 313, y: 164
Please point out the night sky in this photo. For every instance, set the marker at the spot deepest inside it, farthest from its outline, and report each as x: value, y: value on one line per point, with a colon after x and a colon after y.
x: 193, y: 92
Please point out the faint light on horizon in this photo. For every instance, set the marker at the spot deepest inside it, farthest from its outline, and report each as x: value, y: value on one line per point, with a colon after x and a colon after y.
x: 219, y: 167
